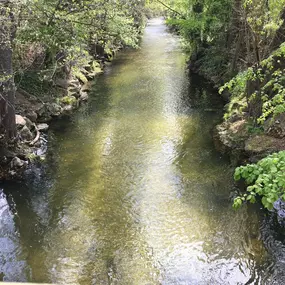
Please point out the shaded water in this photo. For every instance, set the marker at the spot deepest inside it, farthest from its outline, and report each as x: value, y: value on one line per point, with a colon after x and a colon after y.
x: 137, y: 194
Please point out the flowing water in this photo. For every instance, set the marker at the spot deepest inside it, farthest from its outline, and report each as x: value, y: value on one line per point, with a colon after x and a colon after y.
x: 135, y: 192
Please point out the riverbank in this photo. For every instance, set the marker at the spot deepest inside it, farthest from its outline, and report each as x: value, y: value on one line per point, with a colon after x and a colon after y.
x: 237, y: 135
x: 34, y: 114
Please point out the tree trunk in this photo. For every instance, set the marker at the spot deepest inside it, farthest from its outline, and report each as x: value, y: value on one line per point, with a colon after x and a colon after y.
x: 7, y: 87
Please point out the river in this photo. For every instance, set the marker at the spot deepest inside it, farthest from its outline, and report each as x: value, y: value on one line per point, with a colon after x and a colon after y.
x: 133, y: 192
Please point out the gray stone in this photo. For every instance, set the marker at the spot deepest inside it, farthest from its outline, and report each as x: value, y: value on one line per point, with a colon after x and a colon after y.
x: 43, y: 127
x: 26, y: 134
x: 17, y: 162
x: 275, y: 127
x: 29, y: 124
x: 279, y: 207
x: 20, y: 121
x: 74, y: 82
x: 86, y: 87
x: 48, y: 111
x: 67, y: 108
x: 63, y: 83
x: 263, y: 144
x: 83, y: 96
x: 54, y: 109
x: 32, y: 115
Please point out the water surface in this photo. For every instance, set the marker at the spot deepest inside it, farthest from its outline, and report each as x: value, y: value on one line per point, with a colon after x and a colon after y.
x: 136, y: 193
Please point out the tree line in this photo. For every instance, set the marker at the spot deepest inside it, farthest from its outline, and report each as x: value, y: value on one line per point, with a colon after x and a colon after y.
x: 46, y: 38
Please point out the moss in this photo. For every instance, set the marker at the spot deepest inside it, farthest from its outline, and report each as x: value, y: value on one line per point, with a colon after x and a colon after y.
x: 79, y: 75
x: 68, y: 100
x: 96, y: 67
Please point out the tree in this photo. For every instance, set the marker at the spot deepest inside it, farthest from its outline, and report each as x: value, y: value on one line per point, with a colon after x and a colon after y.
x: 7, y: 87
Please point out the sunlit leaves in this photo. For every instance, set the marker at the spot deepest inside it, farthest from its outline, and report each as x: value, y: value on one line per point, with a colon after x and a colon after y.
x: 266, y: 179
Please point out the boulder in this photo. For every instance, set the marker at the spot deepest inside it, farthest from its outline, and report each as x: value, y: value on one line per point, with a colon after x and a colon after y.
x: 20, y: 121
x: 63, y: 83
x: 32, y: 115
x: 83, y: 96
x: 29, y: 124
x: 257, y: 144
x: 86, y: 86
x: 54, y: 109
x: 43, y: 127
x: 75, y: 83
x: 48, y: 111
x: 279, y: 207
x: 275, y: 127
x: 26, y: 134
x: 67, y: 109
x: 17, y: 162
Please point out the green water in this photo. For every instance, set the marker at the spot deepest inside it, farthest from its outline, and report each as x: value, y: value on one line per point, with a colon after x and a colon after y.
x: 135, y: 193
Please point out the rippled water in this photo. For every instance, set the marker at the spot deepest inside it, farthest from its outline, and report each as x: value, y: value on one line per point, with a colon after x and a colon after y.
x: 136, y: 193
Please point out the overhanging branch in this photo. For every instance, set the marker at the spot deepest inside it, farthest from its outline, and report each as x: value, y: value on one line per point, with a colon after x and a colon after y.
x: 169, y: 8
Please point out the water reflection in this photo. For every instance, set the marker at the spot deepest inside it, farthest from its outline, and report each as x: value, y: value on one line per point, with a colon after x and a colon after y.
x: 13, y: 264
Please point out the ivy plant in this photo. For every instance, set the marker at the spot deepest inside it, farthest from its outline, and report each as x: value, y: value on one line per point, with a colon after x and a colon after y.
x: 265, y: 179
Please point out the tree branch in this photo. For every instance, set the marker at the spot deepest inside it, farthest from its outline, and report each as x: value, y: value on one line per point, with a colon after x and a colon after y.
x: 169, y: 8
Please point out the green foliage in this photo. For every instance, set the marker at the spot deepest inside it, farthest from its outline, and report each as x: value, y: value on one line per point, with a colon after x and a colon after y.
x: 266, y: 179
x: 204, y: 24
x: 63, y: 32
x: 271, y: 76
x: 68, y: 100
x: 264, y: 16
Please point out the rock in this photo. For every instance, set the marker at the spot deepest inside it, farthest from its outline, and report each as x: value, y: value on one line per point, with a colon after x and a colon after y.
x: 12, y: 172
x: 29, y: 124
x: 86, y: 87
x: 263, y: 144
x: 17, y: 162
x: 75, y: 83
x: 73, y: 93
x: 32, y: 115
x: 43, y: 127
x: 69, y: 100
x: 54, y: 109
x: 83, y: 96
x: 67, y: 108
x: 279, y: 207
x: 63, y: 83
x: 26, y: 134
x: 20, y: 121
x: 74, y: 88
x: 275, y: 127
x: 48, y: 111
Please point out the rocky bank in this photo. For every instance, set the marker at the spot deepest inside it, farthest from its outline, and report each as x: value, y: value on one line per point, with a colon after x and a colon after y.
x: 33, y: 115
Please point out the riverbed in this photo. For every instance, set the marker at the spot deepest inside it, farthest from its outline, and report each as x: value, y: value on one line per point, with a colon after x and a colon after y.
x: 133, y: 191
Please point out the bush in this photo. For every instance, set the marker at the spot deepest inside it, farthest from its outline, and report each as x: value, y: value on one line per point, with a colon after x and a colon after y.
x: 266, y: 179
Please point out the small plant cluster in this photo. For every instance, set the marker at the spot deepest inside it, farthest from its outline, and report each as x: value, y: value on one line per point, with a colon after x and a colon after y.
x: 265, y: 179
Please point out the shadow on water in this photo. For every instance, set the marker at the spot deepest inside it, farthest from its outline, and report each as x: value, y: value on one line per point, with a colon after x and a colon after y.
x: 133, y: 191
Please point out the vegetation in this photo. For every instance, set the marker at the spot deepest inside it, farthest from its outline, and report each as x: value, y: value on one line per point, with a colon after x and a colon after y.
x: 43, y: 41
x: 265, y: 179
x: 240, y: 46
